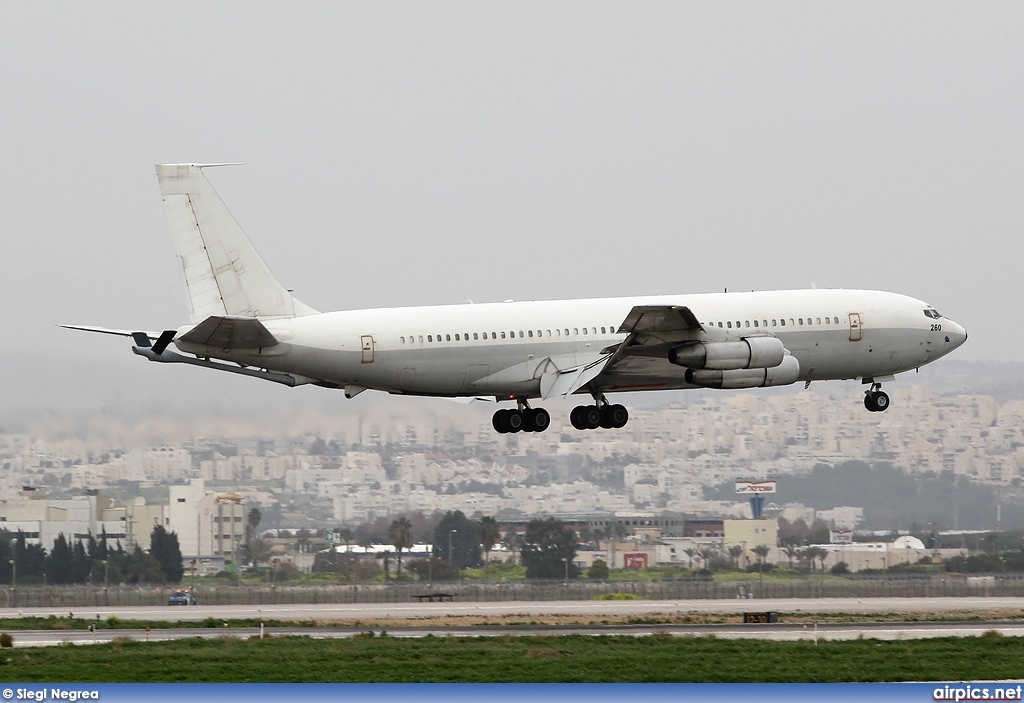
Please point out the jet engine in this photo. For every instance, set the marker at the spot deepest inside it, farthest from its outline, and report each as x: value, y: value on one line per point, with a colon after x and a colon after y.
x: 782, y: 375
x: 747, y: 353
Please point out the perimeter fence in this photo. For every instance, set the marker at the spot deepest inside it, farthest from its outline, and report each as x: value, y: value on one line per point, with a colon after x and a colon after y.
x: 902, y: 586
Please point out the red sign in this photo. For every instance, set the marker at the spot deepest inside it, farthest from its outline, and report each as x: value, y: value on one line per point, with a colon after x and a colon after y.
x: 635, y: 560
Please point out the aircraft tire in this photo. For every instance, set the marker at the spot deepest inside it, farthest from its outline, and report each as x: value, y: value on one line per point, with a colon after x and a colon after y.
x: 576, y: 418
x: 591, y: 417
x: 881, y: 402
x: 539, y: 419
x: 500, y: 421
x: 869, y: 402
x: 514, y: 420
x: 618, y: 415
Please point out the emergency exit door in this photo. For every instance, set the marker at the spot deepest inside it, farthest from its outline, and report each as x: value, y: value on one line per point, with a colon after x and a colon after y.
x: 368, y: 349
x: 856, y: 327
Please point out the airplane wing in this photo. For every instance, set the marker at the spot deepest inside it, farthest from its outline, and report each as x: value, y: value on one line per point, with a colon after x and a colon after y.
x: 230, y: 332
x: 651, y: 330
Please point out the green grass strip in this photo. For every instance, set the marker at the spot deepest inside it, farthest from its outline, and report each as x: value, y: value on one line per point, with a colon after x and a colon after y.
x: 570, y: 658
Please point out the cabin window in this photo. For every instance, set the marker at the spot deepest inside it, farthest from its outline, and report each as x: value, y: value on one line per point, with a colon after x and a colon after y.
x: 746, y: 323
x: 566, y: 331
x: 791, y: 323
x: 801, y: 321
x: 402, y: 339
x: 503, y: 335
x: 476, y: 337
x: 430, y: 338
x: 782, y: 322
x: 521, y: 334
x: 584, y: 330
x: 755, y: 323
x: 539, y: 334
x: 602, y: 330
x: 818, y: 320
x: 719, y: 324
x: 530, y: 332
x: 730, y: 325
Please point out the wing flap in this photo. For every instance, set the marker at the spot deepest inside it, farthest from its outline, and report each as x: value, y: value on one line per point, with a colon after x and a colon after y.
x: 567, y: 378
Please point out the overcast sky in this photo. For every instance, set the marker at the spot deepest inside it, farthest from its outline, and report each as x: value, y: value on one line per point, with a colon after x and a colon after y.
x: 423, y: 153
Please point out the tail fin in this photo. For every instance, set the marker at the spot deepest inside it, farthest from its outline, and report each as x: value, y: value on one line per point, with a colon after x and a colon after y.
x: 223, y: 272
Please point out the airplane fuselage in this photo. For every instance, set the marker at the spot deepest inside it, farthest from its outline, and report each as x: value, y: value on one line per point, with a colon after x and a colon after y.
x: 463, y: 350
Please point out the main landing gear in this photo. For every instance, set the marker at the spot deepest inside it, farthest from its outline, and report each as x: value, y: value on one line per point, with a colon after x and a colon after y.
x: 607, y: 416
x: 875, y: 399
x: 583, y: 417
x: 602, y: 414
x: 523, y: 419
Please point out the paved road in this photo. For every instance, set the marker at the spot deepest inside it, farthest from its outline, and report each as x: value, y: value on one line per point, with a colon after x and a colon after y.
x: 360, y: 611
x: 780, y: 632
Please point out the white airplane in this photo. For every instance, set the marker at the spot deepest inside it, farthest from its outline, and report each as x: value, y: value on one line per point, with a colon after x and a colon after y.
x: 244, y: 321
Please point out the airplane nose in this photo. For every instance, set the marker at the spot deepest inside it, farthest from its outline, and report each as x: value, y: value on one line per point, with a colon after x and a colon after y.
x: 955, y: 334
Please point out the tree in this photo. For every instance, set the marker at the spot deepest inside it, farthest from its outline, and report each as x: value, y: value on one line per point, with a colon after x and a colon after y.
x: 735, y: 551
x: 164, y: 548
x: 791, y: 552
x: 598, y: 570
x: 400, y: 533
x: 690, y: 552
x: 488, y: 533
x: 252, y: 520
x: 459, y: 531
x: 513, y: 541
x: 761, y: 551
x: 58, y: 564
x: 549, y: 548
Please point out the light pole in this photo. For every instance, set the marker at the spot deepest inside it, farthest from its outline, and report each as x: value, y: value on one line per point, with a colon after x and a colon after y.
x: 106, y: 573
x: 14, y: 583
x: 450, y: 533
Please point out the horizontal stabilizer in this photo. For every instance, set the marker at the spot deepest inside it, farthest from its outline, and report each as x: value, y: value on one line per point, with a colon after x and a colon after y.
x: 150, y: 337
x: 228, y: 332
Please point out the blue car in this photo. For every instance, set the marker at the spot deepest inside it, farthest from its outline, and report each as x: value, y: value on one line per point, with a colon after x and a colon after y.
x: 181, y: 598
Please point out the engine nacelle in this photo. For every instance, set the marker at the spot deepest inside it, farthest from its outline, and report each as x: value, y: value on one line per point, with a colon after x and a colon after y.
x: 747, y: 353
x: 782, y: 375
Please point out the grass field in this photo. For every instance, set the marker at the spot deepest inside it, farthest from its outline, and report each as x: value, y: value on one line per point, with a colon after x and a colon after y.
x: 571, y: 658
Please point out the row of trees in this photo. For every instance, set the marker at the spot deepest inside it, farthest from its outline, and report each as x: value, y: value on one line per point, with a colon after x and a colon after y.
x: 91, y: 560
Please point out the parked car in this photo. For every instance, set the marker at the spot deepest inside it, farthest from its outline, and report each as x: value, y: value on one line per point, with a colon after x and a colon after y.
x: 181, y: 598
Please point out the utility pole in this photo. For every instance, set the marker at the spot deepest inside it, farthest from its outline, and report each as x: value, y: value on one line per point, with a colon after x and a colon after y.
x: 14, y: 583
x: 106, y: 574
x: 450, y: 533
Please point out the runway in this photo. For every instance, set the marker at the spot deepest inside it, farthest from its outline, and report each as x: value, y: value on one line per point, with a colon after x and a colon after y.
x: 368, y: 612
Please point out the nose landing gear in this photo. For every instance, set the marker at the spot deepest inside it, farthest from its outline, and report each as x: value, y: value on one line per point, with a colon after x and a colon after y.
x: 875, y: 400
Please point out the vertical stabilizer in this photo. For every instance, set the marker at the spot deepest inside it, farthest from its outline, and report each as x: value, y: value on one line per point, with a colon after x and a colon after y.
x: 223, y: 272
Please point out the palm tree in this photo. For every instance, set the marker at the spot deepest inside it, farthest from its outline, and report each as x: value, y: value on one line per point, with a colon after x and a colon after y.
x: 690, y: 551
x: 400, y: 534
x: 488, y: 533
x: 761, y: 551
x: 791, y: 551
x: 707, y: 554
x: 735, y: 551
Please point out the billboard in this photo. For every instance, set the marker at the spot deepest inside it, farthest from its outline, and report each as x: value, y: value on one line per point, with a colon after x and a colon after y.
x: 840, y: 536
x: 755, y: 487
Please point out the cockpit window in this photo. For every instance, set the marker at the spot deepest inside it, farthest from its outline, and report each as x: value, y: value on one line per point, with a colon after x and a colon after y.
x: 932, y: 313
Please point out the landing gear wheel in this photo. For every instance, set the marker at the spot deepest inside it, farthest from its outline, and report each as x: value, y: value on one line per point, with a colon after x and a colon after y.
x: 514, y: 421
x: 876, y: 401
x: 881, y: 402
x: 618, y: 415
x: 498, y: 421
x: 576, y: 418
x: 538, y: 420
x: 591, y: 416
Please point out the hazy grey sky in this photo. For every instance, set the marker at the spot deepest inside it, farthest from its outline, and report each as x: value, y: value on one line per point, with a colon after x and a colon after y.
x: 420, y: 153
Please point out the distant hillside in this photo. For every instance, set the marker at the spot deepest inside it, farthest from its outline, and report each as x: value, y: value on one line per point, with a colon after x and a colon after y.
x: 893, y: 499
